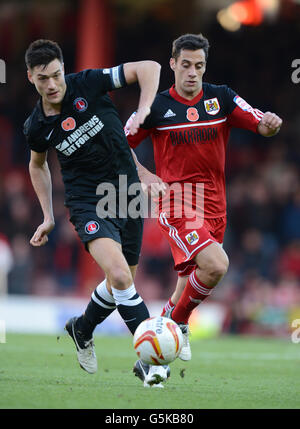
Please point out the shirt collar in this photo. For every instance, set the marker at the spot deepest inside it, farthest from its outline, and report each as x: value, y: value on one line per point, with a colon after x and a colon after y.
x: 174, y: 94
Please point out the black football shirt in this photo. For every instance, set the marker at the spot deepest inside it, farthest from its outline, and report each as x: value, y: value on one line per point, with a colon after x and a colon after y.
x: 87, y: 135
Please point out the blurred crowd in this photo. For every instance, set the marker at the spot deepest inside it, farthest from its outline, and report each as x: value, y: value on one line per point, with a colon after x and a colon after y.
x: 262, y: 288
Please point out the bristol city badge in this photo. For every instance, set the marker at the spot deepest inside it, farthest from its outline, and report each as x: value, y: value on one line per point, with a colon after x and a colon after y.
x: 212, y: 106
x: 192, y: 238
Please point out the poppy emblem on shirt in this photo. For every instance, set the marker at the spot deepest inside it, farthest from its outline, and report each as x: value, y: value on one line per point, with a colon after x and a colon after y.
x: 80, y: 104
x: 92, y: 227
x: 192, y: 114
x: 68, y: 124
x: 212, y: 106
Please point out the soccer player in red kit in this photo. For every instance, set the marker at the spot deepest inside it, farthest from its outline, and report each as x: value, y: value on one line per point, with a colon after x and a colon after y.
x: 189, y: 125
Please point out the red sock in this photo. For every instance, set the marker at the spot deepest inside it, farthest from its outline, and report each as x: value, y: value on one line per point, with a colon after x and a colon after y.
x: 194, y: 293
x: 169, y: 306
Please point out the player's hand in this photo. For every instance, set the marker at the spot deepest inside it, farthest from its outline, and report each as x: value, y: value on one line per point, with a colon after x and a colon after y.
x: 270, y: 124
x: 40, y: 237
x: 153, y: 185
x: 138, y: 119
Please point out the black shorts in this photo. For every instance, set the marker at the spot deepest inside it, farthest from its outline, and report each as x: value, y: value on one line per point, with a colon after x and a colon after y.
x: 128, y: 232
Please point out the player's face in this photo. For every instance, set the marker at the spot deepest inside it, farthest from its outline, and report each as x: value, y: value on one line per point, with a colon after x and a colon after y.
x: 189, y: 69
x: 49, y: 81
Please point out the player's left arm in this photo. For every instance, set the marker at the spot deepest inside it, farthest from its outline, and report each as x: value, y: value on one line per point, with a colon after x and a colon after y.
x: 269, y: 124
x: 147, y: 74
x: 243, y: 115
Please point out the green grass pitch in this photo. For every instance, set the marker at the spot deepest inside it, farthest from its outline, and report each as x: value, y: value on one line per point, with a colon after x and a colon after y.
x: 42, y: 372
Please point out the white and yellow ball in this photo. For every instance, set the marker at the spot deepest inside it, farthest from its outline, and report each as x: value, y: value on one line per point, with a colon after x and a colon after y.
x: 158, y: 341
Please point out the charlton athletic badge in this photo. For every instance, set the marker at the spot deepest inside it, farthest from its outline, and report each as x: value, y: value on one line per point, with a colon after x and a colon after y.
x: 80, y: 104
x: 212, y: 106
x: 92, y: 227
x: 192, y: 237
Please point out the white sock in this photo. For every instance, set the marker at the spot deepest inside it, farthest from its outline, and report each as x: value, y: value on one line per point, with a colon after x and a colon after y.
x: 124, y: 297
x: 101, y: 293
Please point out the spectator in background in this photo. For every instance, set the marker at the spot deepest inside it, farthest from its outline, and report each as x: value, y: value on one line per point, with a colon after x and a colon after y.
x: 289, y: 228
x: 20, y: 276
x: 65, y: 257
x: 257, y: 253
x: 157, y: 257
x: 289, y: 260
x: 6, y: 263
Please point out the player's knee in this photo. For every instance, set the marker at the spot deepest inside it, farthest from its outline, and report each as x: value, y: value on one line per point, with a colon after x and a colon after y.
x: 216, y: 268
x: 219, y: 268
x: 120, y: 278
x: 219, y: 271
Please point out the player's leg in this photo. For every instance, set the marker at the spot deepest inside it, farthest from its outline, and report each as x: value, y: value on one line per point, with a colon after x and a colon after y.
x: 170, y: 305
x: 212, y: 264
x: 108, y: 254
x: 101, y: 305
x: 133, y: 269
x: 186, y: 352
x: 151, y: 375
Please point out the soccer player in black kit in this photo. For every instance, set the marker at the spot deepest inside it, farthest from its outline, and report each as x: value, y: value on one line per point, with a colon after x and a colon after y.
x: 77, y: 118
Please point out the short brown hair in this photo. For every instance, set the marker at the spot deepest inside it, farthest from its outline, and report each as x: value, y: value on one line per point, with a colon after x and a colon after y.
x: 191, y: 42
x: 42, y: 52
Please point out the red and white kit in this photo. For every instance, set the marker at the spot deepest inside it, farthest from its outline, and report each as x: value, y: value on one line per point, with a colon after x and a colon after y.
x: 189, y: 140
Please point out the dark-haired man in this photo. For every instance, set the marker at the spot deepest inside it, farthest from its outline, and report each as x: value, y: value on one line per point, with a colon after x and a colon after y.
x: 189, y: 125
x: 77, y: 118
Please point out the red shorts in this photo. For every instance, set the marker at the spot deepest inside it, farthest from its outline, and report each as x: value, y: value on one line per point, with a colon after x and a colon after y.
x: 186, y: 243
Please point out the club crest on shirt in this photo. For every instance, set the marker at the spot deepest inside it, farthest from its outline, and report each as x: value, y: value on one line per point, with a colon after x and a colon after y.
x: 68, y: 124
x: 80, y: 104
x: 212, y: 106
x: 92, y: 227
x: 192, y: 114
x: 192, y: 237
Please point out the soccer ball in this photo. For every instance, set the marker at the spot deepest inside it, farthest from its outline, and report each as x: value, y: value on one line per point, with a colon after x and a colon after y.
x: 158, y: 340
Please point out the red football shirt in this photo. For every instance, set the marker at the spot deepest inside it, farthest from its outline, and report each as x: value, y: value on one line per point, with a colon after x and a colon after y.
x: 190, y: 137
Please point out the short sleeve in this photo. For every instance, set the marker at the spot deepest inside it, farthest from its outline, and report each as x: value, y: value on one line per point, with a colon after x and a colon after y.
x: 105, y: 80
x: 34, y: 144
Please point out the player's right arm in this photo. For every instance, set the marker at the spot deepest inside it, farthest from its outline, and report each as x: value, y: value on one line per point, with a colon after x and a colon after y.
x: 151, y: 183
x: 42, y: 184
x: 147, y: 74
